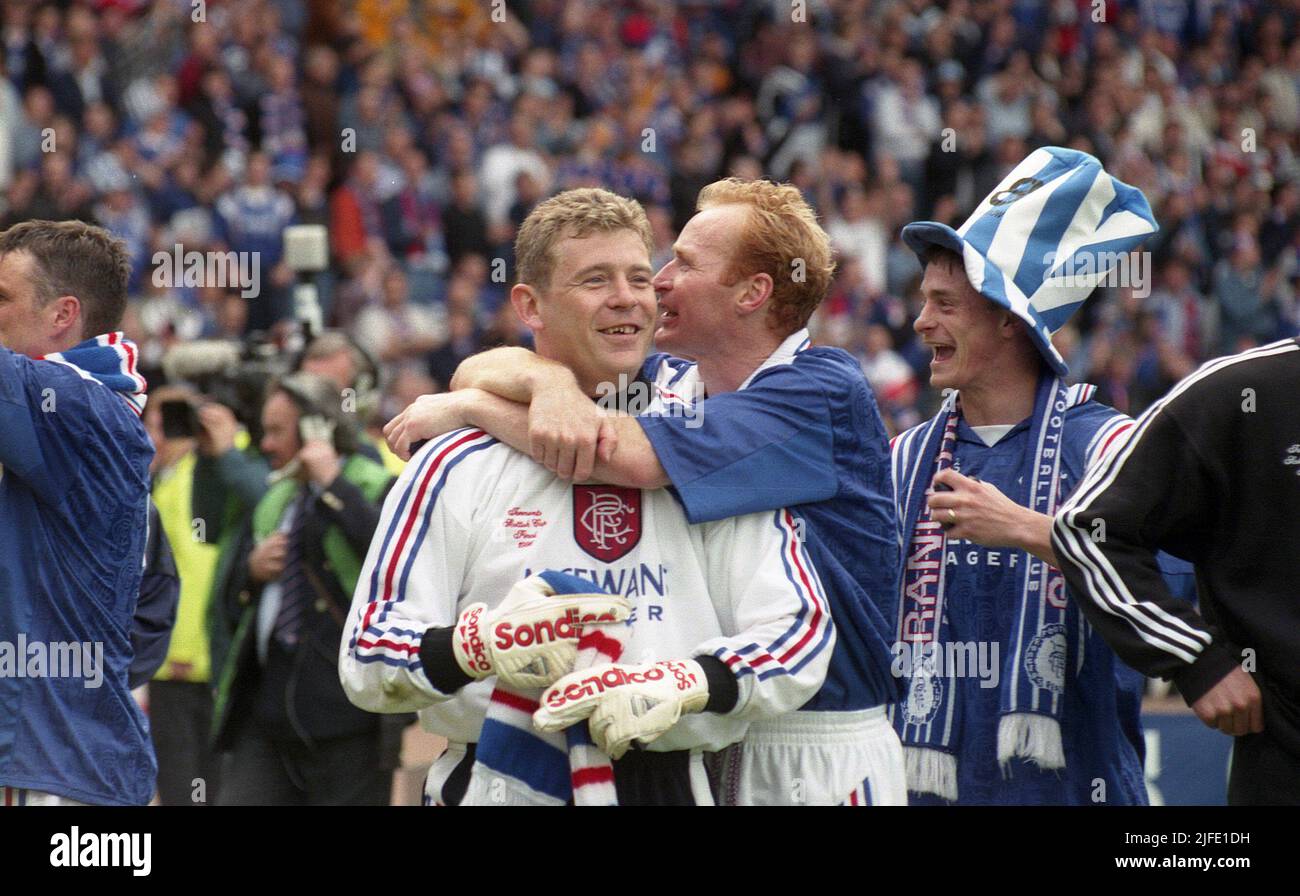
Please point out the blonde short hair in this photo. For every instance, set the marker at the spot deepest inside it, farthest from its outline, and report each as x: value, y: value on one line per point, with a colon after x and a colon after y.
x: 781, y: 238
x: 573, y: 213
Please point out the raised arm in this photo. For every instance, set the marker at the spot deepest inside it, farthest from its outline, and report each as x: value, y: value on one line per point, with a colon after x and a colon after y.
x: 567, y: 432
x: 511, y: 372
x: 563, y: 429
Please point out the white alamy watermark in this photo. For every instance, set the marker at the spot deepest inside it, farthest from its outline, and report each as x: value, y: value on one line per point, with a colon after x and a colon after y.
x: 225, y: 270
x: 953, y: 659
x: 634, y: 396
x: 1089, y: 270
x: 53, y: 659
x: 90, y: 850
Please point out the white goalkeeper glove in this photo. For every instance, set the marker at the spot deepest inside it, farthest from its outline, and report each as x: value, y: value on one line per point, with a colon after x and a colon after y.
x: 625, y: 702
x: 531, y: 638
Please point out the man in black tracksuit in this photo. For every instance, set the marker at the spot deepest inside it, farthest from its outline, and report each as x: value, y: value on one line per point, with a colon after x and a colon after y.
x: 1211, y: 474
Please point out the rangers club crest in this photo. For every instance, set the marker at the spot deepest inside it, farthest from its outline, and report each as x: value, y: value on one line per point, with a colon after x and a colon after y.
x: 606, y: 520
x: 924, y: 694
x: 1046, y: 658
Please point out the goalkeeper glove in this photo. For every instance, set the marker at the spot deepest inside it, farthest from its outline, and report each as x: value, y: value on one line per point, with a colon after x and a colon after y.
x: 625, y: 702
x: 531, y: 638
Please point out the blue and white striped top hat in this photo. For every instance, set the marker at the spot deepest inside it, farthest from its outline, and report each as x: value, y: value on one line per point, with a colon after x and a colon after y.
x: 1045, y: 238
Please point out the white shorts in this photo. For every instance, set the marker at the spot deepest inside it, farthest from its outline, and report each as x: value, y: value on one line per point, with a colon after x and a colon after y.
x: 18, y: 796
x: 816, y: 759
x: 440, y: 771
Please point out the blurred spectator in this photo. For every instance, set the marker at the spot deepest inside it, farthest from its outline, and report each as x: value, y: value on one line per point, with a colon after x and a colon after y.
x: 464, y: 224
x: 224, y: 123
x: 29, y: 129
x: 355, y: 217
x: 320, y: 97
x: 1009, y: 97
x: 83, y: 75
x: 281, y: 121
x: 960, y: 166
x: 421, y: 134
x: 906, y: 120
x: 122, y: 214
x: 1241, y: 284
x: 462, y: 341
x: 9, y: 112
x: 412, y: 218
x: 1187, y: 319
x: 251, y: 219
x: 503, y: 163
x: 399, y: 332
x: 180, y: 699
x: 890, y: 376
x: 51, y: 193
x: 862, y: 235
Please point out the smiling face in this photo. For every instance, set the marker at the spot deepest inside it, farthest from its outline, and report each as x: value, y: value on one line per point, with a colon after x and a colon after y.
x: 596, y: 313
x: 695, y: 298
x: 968, y: 334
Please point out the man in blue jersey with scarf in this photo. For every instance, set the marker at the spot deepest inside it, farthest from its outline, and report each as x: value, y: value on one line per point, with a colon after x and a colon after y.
x: 74, y: 498
x: 1011, y: 697
x: 783, y: 424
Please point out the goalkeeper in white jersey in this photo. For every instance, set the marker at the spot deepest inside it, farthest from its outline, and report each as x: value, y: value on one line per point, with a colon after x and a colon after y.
x: 447, y: 604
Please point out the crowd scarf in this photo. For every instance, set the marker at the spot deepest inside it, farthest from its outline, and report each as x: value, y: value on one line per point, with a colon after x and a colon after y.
x: 1036, y: 650
x: 110, y: 360
x: 517, y: 765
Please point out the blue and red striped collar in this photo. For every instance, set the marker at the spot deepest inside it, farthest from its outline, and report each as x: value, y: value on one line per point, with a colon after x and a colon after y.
x: 110, y: 360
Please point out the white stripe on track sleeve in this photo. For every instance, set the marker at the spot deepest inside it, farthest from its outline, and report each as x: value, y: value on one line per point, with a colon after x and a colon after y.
x: 1146, y: 489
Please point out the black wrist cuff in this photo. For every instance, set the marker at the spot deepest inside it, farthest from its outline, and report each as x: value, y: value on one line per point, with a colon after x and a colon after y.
x: 724, y: 691
x: 438, y: 657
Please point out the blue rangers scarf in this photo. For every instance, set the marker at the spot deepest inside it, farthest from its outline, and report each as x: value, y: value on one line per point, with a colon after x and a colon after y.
x: 1034, y: 652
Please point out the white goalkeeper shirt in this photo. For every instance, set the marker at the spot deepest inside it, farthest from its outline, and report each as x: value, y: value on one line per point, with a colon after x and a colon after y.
x: 471, y: 516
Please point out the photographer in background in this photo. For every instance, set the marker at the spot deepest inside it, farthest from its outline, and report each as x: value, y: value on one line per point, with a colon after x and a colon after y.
x: 341, y: 360
x: 74, y: 498
x: 228, y: 479
x: 230, y: 474
x: 292, y: 735
x: 180, y: 699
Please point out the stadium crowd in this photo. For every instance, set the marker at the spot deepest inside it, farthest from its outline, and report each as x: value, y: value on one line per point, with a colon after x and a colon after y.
x: 422, y: 132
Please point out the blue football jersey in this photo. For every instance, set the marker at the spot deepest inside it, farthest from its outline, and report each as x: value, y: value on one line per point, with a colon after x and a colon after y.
x: 804, y: 433
x: 74, y: 497
x: 1101, y: 728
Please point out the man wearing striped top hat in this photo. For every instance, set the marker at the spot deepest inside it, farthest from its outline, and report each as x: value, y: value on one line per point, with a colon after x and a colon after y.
x: 1010, y: 697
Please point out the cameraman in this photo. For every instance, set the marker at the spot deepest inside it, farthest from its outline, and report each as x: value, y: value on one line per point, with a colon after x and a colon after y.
x: 338, y: 358
x: 229, y: 479
x: 294, y: 738
x: 230, y: 474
